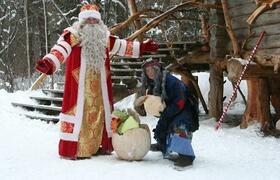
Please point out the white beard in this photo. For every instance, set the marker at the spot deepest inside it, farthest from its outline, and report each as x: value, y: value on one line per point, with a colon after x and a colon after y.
x: 94, y: 40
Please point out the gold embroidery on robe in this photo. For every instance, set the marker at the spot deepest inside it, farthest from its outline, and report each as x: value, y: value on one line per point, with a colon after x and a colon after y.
x: 93, y: 116
x: 66, y: 127
x: 75, y: 74
x: 129, y: 48
x: 74, y: 40
x: 72, y: 111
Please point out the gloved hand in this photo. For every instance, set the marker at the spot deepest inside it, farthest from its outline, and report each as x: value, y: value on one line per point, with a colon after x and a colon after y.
x: 140, y: 100
x: 148, y: 46
x: 45, y: 66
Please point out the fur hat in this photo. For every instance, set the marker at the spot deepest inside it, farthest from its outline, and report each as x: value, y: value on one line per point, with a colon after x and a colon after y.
x: 89, y: 11
x: 151, y: 62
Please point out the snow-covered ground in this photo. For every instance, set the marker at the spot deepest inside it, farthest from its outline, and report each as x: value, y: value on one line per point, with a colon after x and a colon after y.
x: 28, y: 150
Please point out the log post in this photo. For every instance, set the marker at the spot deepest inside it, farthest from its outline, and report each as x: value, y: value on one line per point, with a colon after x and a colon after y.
x: 215, y: 95
x: 274, y: 87
x: 217, y: 42
x: 258, y: 106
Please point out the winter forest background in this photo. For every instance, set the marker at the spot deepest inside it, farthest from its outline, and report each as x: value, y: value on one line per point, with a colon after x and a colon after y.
x: 29, y: 29
x: 33, y: 26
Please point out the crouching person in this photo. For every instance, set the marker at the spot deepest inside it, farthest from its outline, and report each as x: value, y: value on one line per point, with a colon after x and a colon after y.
x: 173, y: 132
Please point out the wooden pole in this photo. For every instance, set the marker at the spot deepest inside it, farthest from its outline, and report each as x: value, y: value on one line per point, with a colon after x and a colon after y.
x: 133, y: 10
x: 230, y: 31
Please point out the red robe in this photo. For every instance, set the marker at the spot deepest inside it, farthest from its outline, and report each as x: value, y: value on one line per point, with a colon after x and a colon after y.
x: 87, y: 101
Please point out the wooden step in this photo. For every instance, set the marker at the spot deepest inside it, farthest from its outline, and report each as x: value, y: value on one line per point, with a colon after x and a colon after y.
x: 47, y: 98
x: 126, y: 63
x: 42, y: 117
x: 143, y: 57
x: 179, y: 43
x: 125, y: 70
x: 124, y: 77
x: 60, y: 83
x: 53, y: 92
x: 169, y: 49
x: 37, y: 107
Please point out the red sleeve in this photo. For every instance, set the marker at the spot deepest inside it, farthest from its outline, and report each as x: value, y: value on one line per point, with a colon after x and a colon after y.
x: 112, y: 40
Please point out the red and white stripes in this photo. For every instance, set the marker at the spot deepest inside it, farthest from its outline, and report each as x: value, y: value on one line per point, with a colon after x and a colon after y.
x: 59, y: 53
x: 218, y: 125
x: 123, y: 47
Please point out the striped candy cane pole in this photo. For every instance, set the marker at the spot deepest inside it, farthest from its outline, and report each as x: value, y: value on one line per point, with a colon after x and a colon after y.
x: 218, y: 125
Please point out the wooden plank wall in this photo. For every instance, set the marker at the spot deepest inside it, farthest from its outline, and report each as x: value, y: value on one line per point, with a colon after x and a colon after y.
x: 268, y: 21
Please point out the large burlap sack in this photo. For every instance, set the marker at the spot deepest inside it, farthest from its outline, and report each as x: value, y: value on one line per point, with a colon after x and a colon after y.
x: 134, y: 144
x: 153, y: 105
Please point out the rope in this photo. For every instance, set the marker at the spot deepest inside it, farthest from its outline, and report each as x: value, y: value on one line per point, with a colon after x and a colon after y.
x: 218, y: 125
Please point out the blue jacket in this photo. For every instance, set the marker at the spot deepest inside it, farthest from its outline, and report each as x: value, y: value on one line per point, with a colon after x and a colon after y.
x: 177, y: 103
x: 177, y: 112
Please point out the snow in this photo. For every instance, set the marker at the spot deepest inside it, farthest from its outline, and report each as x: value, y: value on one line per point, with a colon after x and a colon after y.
x: 28, y: 150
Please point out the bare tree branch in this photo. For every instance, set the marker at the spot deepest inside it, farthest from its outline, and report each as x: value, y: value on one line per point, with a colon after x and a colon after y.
x: 154, y: 22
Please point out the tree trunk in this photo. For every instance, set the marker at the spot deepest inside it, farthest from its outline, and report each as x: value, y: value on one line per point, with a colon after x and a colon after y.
x: 215, y: 96
x: 27, y: 40
x: 133, y: 10
x: 46, y: 26
x: 274, y: 86
x: 218, y: 52
x: 258, y: 106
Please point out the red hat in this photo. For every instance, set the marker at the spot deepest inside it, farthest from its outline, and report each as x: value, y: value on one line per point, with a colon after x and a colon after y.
x: 89, y: 11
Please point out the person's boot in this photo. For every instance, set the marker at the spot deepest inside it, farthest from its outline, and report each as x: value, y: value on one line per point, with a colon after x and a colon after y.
x: 102, y: 152
x: 183, y: 161
x: 155, y: 147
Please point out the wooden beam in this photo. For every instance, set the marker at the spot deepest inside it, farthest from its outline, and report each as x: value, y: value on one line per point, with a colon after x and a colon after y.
x: 229, y: 28
x: 201, y: 58
x: 235, y: 66
x: 266, y: 59
x: 263, y: 6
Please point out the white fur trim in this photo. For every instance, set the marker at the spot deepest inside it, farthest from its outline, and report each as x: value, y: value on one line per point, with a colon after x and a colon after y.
x: 66, y: 45
x: 122, y: 48
x: 106, y: 102
x: 136, y: 49
x: 61, y: 38
x: 54, y: 59
x: 89, y: 13
x: 61, y: 50
x: 116, y: 46
x: 70, y: 119
x: 69, y: 137
x: 67, y: 118
x: 73, y: 30
x: 108, y: 33
x: 81, y: 89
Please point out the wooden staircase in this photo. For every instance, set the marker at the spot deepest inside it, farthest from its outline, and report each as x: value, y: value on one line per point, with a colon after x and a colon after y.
x: 126, y: 74
x: 46, y: 108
